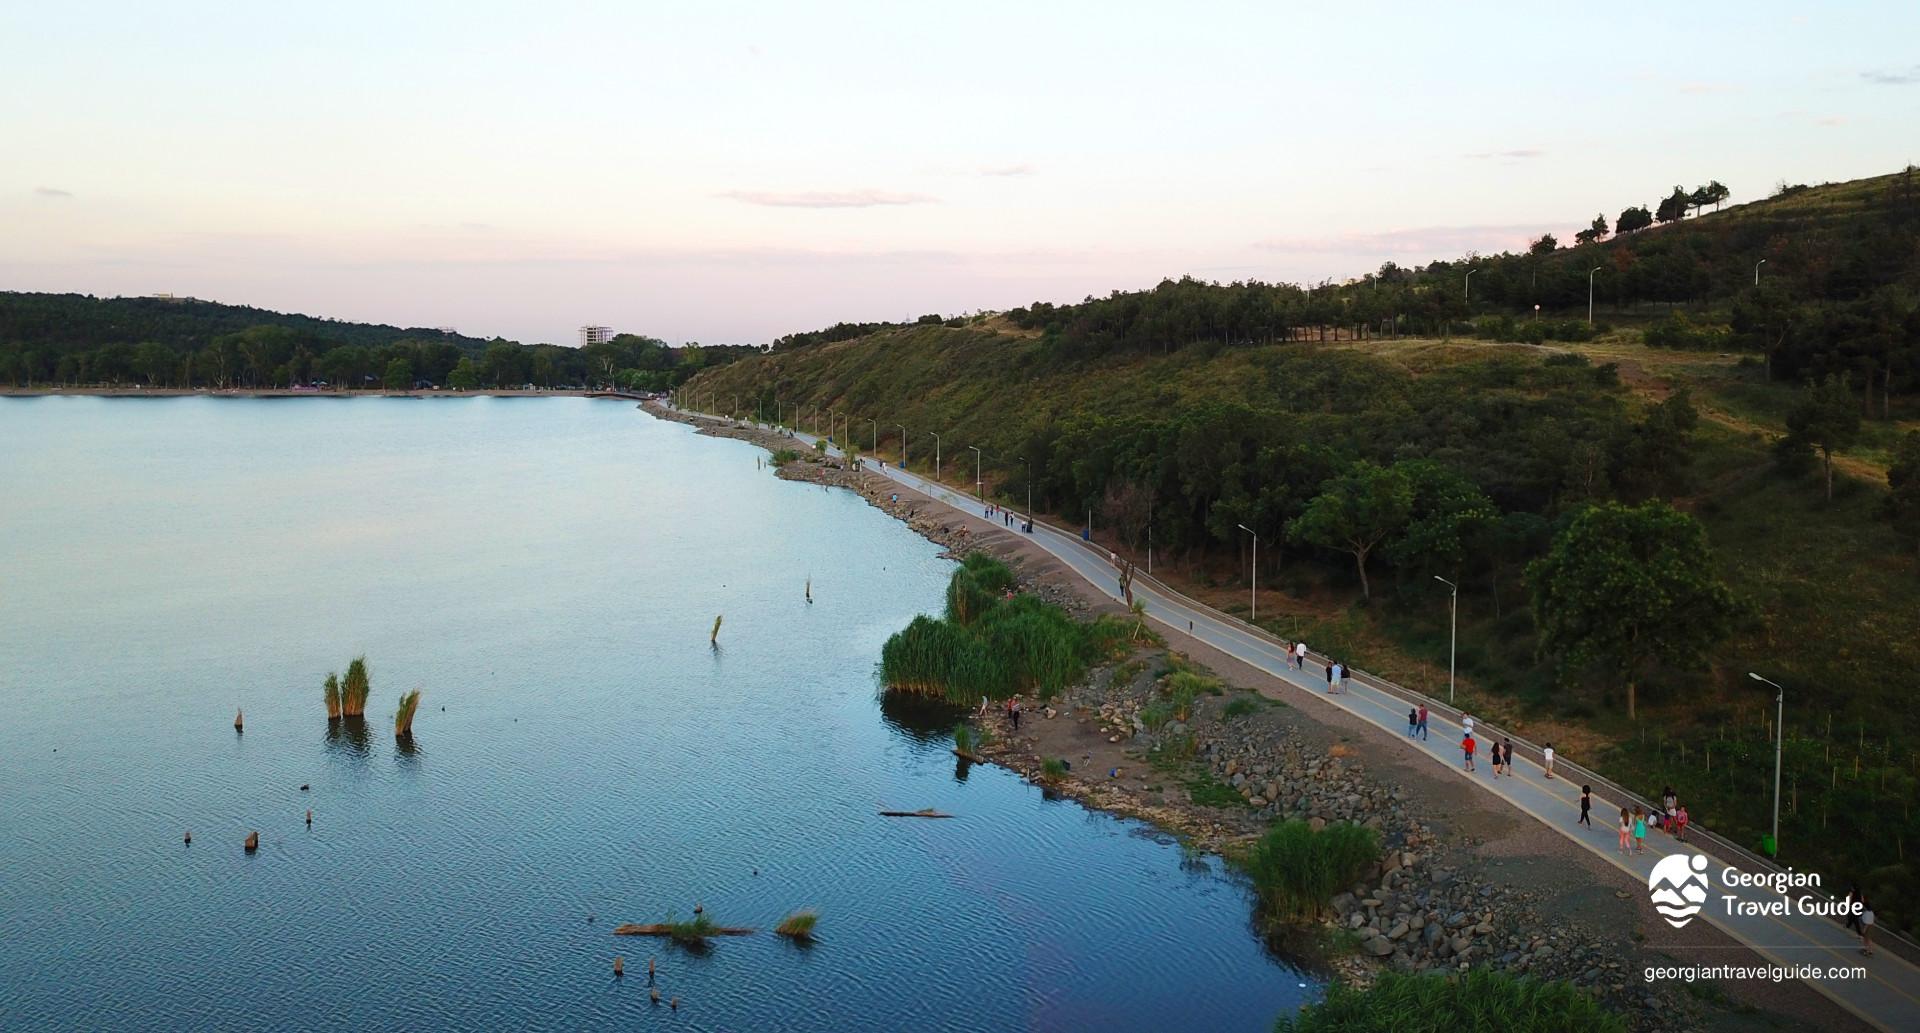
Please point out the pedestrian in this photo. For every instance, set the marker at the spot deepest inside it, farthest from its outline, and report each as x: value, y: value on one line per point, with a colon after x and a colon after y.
x: 1506, y: 758
x: 1015, y: 713
x: 1423, y: 722
x: 1546, y: 759
x: 1300, y: 652
x: 1853, y: 907
x: 1466, y: 746
x: 1413, y: 722
x: 1626, y: 828
x: 1339, y: 676
x: 1467, y: 723
x: 1668, y: 801
x: 1680, y: 824
x: 1639, y: 830
x: 1866, y: 927
x: 1329, y: 676
x: 1586, y: 806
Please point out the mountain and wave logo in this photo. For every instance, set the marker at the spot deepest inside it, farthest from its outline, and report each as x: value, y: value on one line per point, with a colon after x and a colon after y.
x: 1679, y: 886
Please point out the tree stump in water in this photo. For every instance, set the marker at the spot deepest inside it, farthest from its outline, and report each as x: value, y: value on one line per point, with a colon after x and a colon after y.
x: 239, y: 721
x: 253, y: 842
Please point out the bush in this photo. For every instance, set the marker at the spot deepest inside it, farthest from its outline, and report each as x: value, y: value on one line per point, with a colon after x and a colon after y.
x: 783, y: 456
x: 1479, y: 999
x: 1297, y: 870
x: 1677, y: 331
x: 1241, y: 707
x: 1053, y: 769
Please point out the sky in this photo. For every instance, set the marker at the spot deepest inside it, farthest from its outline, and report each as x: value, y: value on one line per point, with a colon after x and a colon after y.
x: 729, y: 172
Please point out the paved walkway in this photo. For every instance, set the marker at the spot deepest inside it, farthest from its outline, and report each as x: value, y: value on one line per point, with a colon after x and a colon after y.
x: 1887, y: 997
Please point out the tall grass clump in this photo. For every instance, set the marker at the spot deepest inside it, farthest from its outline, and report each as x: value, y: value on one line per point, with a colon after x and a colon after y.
x: 347, y: 697
x: 691, y: 933
x: 992, y: 646
x: 798, y: 926
x: 403, y: 718
x: 333, y: 697
x: 1297, y: 870
x: 1477, y: 999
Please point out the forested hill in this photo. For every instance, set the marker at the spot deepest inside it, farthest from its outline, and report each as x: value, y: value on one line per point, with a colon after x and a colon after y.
x: 82, y: 321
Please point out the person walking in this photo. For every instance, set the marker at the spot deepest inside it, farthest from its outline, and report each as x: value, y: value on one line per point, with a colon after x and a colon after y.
x: 1466, y: 723
x: 1300, y: 655
x: 1329, y: 676
x: 1546, y: 759
x: 1626, y: 829
x: 1013, y: 711
x: 1639, y: 830
x: 1853, y: 912
x: 1586, y: 806
x: 1423, y: 722
x: 1866, y: 927
x: 1680, y: 823
x: 1506, y: 757
x: 1339, y: 676
x: 1413, y: 722
x: 1466, y: 745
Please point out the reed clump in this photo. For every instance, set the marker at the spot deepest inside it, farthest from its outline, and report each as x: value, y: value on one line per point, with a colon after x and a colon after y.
x: 333, y: 697
x: 1477, y: 999
x: 693, y: 932
x: 714, y: 638
x: 354, y: 689
x: 797, y: 926
x: 403, y: 718
x: 992, y: 643
x: 1053, y: 769
x: 1297, y: 869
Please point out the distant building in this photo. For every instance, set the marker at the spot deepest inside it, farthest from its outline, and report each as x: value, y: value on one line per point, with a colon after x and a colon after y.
x: 595, y: 335
x: 169, y: 299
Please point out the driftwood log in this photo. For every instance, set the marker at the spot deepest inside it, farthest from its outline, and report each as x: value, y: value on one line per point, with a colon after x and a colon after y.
x: 924, y: 812
x: 664, y: 929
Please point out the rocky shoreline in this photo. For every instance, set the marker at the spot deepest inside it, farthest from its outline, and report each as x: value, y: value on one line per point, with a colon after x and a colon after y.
x: 1431, y: 903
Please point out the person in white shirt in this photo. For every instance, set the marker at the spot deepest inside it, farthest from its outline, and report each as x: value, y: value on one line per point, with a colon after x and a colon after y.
x: 1300, y: 655
x: 1546, y: 759
x: 1467, y: 724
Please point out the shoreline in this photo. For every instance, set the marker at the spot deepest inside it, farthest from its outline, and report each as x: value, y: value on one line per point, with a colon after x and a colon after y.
x: 1464, y: 881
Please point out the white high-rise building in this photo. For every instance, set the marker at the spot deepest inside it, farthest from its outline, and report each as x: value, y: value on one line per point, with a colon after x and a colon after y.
x: 595, y: 335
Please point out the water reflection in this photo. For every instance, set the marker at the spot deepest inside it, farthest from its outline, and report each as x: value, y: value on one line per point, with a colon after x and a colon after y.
x: 348, y: 737
x: 923, y: 720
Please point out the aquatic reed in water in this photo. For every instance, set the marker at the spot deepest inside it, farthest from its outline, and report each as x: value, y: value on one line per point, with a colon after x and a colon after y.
x: 798, y: 926
x: 333, y: 697
x: 354, y: 689
x: 1477, y: 999
x: 1296, y: 870
x: 403, y: 718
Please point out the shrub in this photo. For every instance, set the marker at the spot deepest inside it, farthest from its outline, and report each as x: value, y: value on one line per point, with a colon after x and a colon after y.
x: 782, y: 457
x: 1677, y: 331
x: 1241, y: 707
x: 1479, y: 999
x: 1297, y: 870
x: 798, y: 926
x: 1053, y: 769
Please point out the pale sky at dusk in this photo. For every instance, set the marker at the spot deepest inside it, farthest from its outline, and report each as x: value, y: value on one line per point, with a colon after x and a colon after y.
x: 726, y: 172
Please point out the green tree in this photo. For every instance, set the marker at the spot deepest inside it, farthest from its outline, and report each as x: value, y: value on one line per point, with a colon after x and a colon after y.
x: 1674, y: 207
x: 1544, y: 246
x: 1597, y: 231
x: 463, y: 376
x: 1826, y: 419
x: 1633, y: 219
x: 399, y: 374
x: 1449, y: 515
x: 1628, y: 586
x: 1661, y: 446
x: 1903, y: 482
x: 1355, y: 512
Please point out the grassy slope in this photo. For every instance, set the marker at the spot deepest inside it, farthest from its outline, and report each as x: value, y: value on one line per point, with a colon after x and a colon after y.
x: 1835, y: 595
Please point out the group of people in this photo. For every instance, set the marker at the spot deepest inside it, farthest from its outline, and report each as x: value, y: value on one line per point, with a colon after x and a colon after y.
x: 1007, y: 517
x: 1635, y: 821
x: 1335, y: 671
x: 1011, y: 708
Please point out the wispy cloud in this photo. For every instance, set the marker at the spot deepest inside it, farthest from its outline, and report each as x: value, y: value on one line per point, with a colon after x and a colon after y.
x: 1021, y: 169
x: 51, y: 192
x: 1701, y: 88
x: 1516, y: 154
x: 1905, y: 77
x: 826, y: 198
x: 1430, y: 242
x: 1830, y: 120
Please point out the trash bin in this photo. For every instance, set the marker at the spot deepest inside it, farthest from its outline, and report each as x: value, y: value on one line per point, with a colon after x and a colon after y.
x: 1768, y: 846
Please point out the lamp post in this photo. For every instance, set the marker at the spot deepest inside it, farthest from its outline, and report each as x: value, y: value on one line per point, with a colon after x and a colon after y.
x: 936, y: 456
x: 1029, y: 463
x: 1756, y: 275
x: 1590, y: 273
x: 976, y: 471
x: 1253, y: 607
x: 1453, y: 639
x: 1466, y: 287
x: 1779, y: 735
x: 833, y: 415
x: 1149, y: 543
x: 903, y: 445
x: 876, y: 436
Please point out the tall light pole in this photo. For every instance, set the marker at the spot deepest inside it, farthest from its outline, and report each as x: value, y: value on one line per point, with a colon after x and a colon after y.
x: 1590, y: 273
x: 1453, y: 640
x: 1029, y: 463
x: 1779, y: 735
x: 833, y: 416
x: 876, y: 437
x: 976, y: 471
x: 903, y: 445
x: 936, y: 457
x: 1756, y: 282
x: 1253, y: 607
x: 1466, y: 287
x: 1149, y: 543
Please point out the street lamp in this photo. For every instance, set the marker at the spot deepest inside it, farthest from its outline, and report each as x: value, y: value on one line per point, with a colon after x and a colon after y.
x: 1453, y: 641
x: 1779, y: 736
x: 903, y: 445
x: 1756, y: 275
x: 1253, y: 607
x: 1590, y: 273
x: 936, y: 456
x: 1029, y: 463
x: 833, y: 416
x: 876, y: 437
x: 1466, y: 287
x: 976, y: 471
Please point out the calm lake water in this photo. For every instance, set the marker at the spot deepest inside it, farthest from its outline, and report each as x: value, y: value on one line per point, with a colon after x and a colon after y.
x: 547, y: 570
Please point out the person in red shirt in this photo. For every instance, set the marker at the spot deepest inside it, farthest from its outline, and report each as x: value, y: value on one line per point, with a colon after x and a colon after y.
x: 1466, y: 745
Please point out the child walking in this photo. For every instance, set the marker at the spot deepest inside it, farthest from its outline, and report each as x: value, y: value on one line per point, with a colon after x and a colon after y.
x: 1639, y: 830
x: 1626, y: 829
x: 1586, y: 806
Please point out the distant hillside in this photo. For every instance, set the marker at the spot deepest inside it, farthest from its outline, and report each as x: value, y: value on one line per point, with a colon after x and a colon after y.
x: 63, y: 321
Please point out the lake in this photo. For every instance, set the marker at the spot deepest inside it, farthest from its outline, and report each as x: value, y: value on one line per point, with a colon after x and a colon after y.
x: 547, y: 571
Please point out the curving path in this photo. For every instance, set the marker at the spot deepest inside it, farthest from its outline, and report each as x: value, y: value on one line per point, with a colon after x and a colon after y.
x: 1888, y: 996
